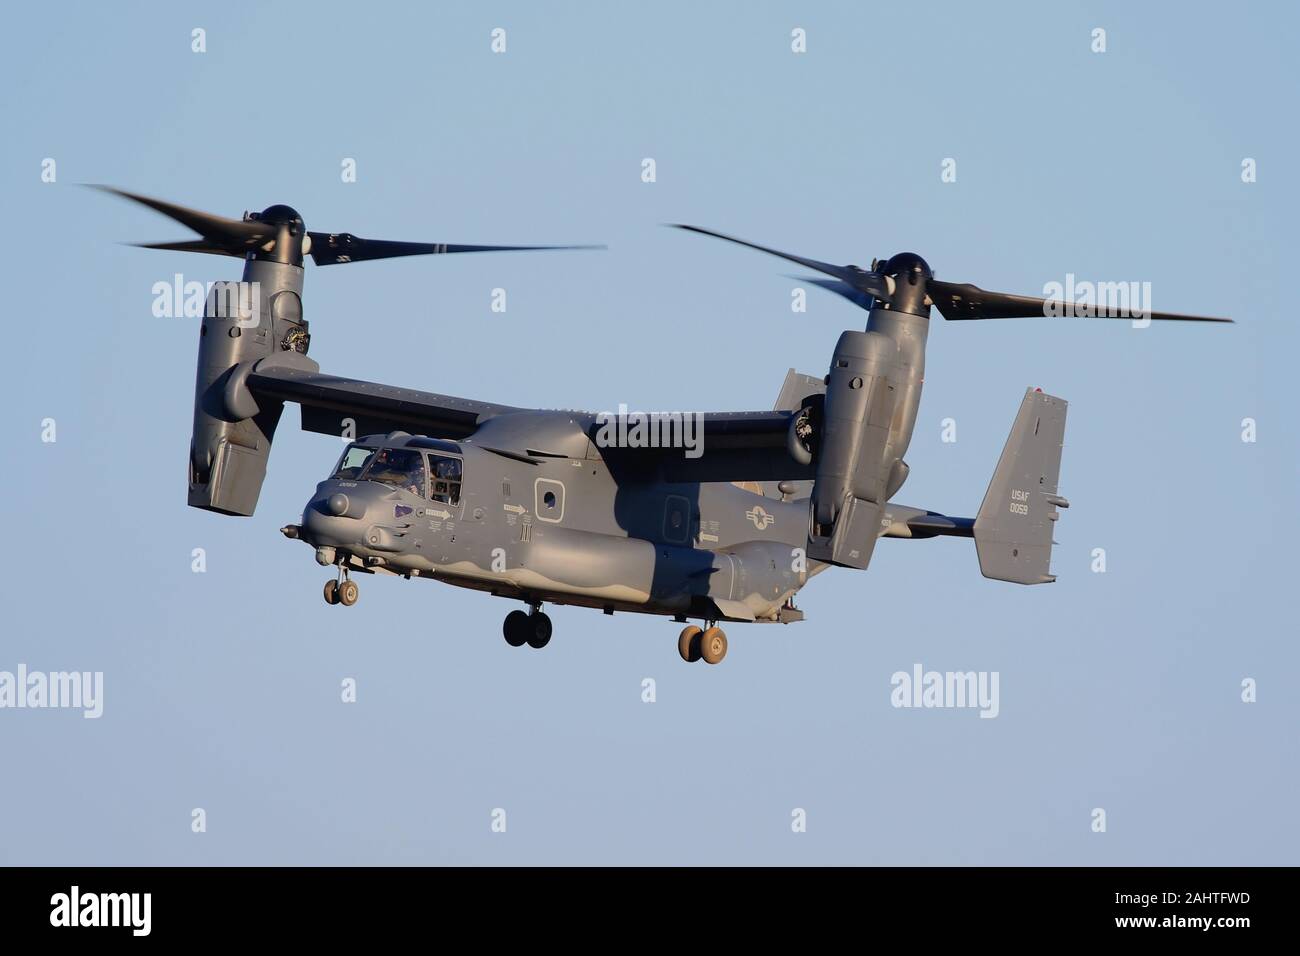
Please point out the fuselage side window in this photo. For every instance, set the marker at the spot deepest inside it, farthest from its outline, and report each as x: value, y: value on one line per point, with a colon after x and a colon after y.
x: 445, y: 474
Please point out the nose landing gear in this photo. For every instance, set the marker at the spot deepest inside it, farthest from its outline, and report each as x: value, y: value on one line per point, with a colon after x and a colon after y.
x: 533, y: 628
x: 343, y: 591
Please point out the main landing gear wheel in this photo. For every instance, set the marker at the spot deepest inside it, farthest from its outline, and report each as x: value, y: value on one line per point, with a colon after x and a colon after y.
x: 348, y: 592
x: 713, y: 645
x: 688, y: 644
x: 533, y: 629
x: 331, y: 591
x: 540, y: 627
x: 517, y: 628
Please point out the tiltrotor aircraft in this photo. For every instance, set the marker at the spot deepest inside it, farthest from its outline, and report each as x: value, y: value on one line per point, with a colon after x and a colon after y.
x: 542, y: 506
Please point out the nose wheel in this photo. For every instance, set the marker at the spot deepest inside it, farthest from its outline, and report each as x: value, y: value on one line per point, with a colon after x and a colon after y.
x: 708, y: 645
x: 532, y: 628
x: 343, y: 592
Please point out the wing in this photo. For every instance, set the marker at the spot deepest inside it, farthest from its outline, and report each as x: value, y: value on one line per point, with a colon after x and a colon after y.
x: 724, y: 446
x: 327, y: 400
x: 709, y: 446
x: 733, y: 446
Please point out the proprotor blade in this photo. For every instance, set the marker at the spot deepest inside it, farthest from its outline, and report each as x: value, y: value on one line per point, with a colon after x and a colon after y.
x: 869, y: 283
x: 277, y: 233
x: 841, y: 288
x: 959, y: 301
x: 192, y: 245
x: 222, y: 235
x: 331, y: 248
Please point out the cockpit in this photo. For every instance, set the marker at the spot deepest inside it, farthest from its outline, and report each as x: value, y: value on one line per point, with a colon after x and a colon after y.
x: 430, y: 475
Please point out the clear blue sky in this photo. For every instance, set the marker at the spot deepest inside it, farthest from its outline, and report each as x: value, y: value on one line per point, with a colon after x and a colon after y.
x: 1118, y: 690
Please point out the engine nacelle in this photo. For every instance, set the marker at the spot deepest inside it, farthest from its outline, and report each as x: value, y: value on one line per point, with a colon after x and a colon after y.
x: 862, y: 430
x: 855, y: 424
x: 243, y: 323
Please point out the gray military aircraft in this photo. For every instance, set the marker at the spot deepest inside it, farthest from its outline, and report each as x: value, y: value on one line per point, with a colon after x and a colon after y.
x: 715, y: 517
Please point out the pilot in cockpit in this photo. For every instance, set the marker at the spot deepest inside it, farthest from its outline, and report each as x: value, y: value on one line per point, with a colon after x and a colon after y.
x: 415, y: 477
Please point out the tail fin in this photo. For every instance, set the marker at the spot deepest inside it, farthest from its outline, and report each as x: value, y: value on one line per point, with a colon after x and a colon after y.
x: 1013, y: 532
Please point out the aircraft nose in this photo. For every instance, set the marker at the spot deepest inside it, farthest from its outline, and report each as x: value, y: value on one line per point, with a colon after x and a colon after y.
x: 337, y: 517
x: 342, y: 506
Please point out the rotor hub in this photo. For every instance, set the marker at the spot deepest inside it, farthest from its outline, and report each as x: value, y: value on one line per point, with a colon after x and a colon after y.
x: 280, y: 215
x: 287, y: 246
x: 910, y: 274
x: 907, y: 264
